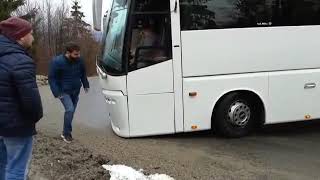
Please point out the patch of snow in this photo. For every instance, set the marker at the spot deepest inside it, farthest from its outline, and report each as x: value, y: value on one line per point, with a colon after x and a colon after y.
x: 122, y: 172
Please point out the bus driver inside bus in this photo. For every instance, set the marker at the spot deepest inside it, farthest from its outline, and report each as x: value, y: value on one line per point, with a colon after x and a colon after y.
x: 146, y: 37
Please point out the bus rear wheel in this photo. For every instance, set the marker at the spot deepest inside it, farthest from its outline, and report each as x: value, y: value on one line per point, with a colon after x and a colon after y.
x: 235, y: 116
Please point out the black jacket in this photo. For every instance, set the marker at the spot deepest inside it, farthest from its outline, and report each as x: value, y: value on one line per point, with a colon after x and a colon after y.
x: 20, y: 102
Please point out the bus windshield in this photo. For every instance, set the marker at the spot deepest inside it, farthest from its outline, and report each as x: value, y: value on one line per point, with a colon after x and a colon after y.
x: 112, y: 60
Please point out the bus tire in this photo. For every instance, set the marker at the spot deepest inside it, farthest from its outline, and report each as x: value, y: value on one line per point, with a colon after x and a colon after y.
x: 235, y: 115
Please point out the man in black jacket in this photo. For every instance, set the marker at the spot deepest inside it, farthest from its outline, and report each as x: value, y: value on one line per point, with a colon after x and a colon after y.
x: 20, y: 102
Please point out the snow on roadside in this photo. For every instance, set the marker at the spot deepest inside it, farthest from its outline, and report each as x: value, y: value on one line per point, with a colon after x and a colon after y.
x: 122, y: 172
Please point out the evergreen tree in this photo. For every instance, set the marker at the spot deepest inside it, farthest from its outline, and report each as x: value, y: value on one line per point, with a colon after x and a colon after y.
x: 79, y: 27
x: 8, y: 6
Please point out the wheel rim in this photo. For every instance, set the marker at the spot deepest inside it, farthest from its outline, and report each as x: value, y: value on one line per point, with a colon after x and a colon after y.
x: 239, y: 114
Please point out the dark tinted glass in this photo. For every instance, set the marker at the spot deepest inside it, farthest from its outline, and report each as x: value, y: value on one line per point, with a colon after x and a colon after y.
x: 215, y: 14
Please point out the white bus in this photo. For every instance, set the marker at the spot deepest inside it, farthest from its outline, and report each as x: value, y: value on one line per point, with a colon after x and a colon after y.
x: 171, y: 66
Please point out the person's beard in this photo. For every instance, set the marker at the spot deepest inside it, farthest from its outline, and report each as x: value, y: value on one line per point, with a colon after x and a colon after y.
x: 72, y: 59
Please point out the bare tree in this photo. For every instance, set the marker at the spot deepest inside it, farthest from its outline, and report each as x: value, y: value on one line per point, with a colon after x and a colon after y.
x: 61, y: 13
x: 49, y: 26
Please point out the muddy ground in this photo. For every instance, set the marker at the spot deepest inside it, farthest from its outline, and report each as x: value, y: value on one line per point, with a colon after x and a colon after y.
x: 54, y: 159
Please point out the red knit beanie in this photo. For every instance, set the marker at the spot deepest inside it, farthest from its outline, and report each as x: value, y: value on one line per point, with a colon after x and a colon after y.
x: 15, y: 28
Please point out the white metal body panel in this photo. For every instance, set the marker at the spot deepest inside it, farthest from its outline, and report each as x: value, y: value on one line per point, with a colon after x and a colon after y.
x: 294, y: 95
x: 153, y: 79
x: 113, y: 83
x: 177, y: 67
x: 198, y: 110
x: 242, y: 50
x: 151, y: 100
x: 151, y: 114
x: 117, y: 112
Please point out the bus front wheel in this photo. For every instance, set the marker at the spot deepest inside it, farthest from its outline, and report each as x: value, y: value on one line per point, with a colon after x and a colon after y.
x: 235, y: 115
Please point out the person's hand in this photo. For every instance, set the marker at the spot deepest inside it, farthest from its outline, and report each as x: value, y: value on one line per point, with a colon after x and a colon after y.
x: 60, y: 96
x: 86, y: 90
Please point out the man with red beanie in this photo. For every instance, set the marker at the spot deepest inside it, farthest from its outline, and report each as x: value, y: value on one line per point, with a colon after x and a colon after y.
x: 20, y: 102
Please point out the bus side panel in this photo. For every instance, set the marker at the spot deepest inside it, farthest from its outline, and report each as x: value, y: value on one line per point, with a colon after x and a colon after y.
x: 294, y: 95
x: 151, y: 100
x: 151, y: 114
x: 198, y: 109
x: 243, y: 50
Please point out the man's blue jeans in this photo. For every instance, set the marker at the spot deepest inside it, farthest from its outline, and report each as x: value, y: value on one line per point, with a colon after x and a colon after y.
x: 15, y: 156
x: 69, y: 102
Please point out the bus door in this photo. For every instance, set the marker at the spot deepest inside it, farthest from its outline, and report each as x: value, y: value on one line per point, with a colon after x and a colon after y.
x: 150, y: 69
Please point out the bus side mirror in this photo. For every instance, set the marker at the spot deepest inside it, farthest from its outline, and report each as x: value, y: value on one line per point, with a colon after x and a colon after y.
x: 97, y: 13
x: 100, y: 72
